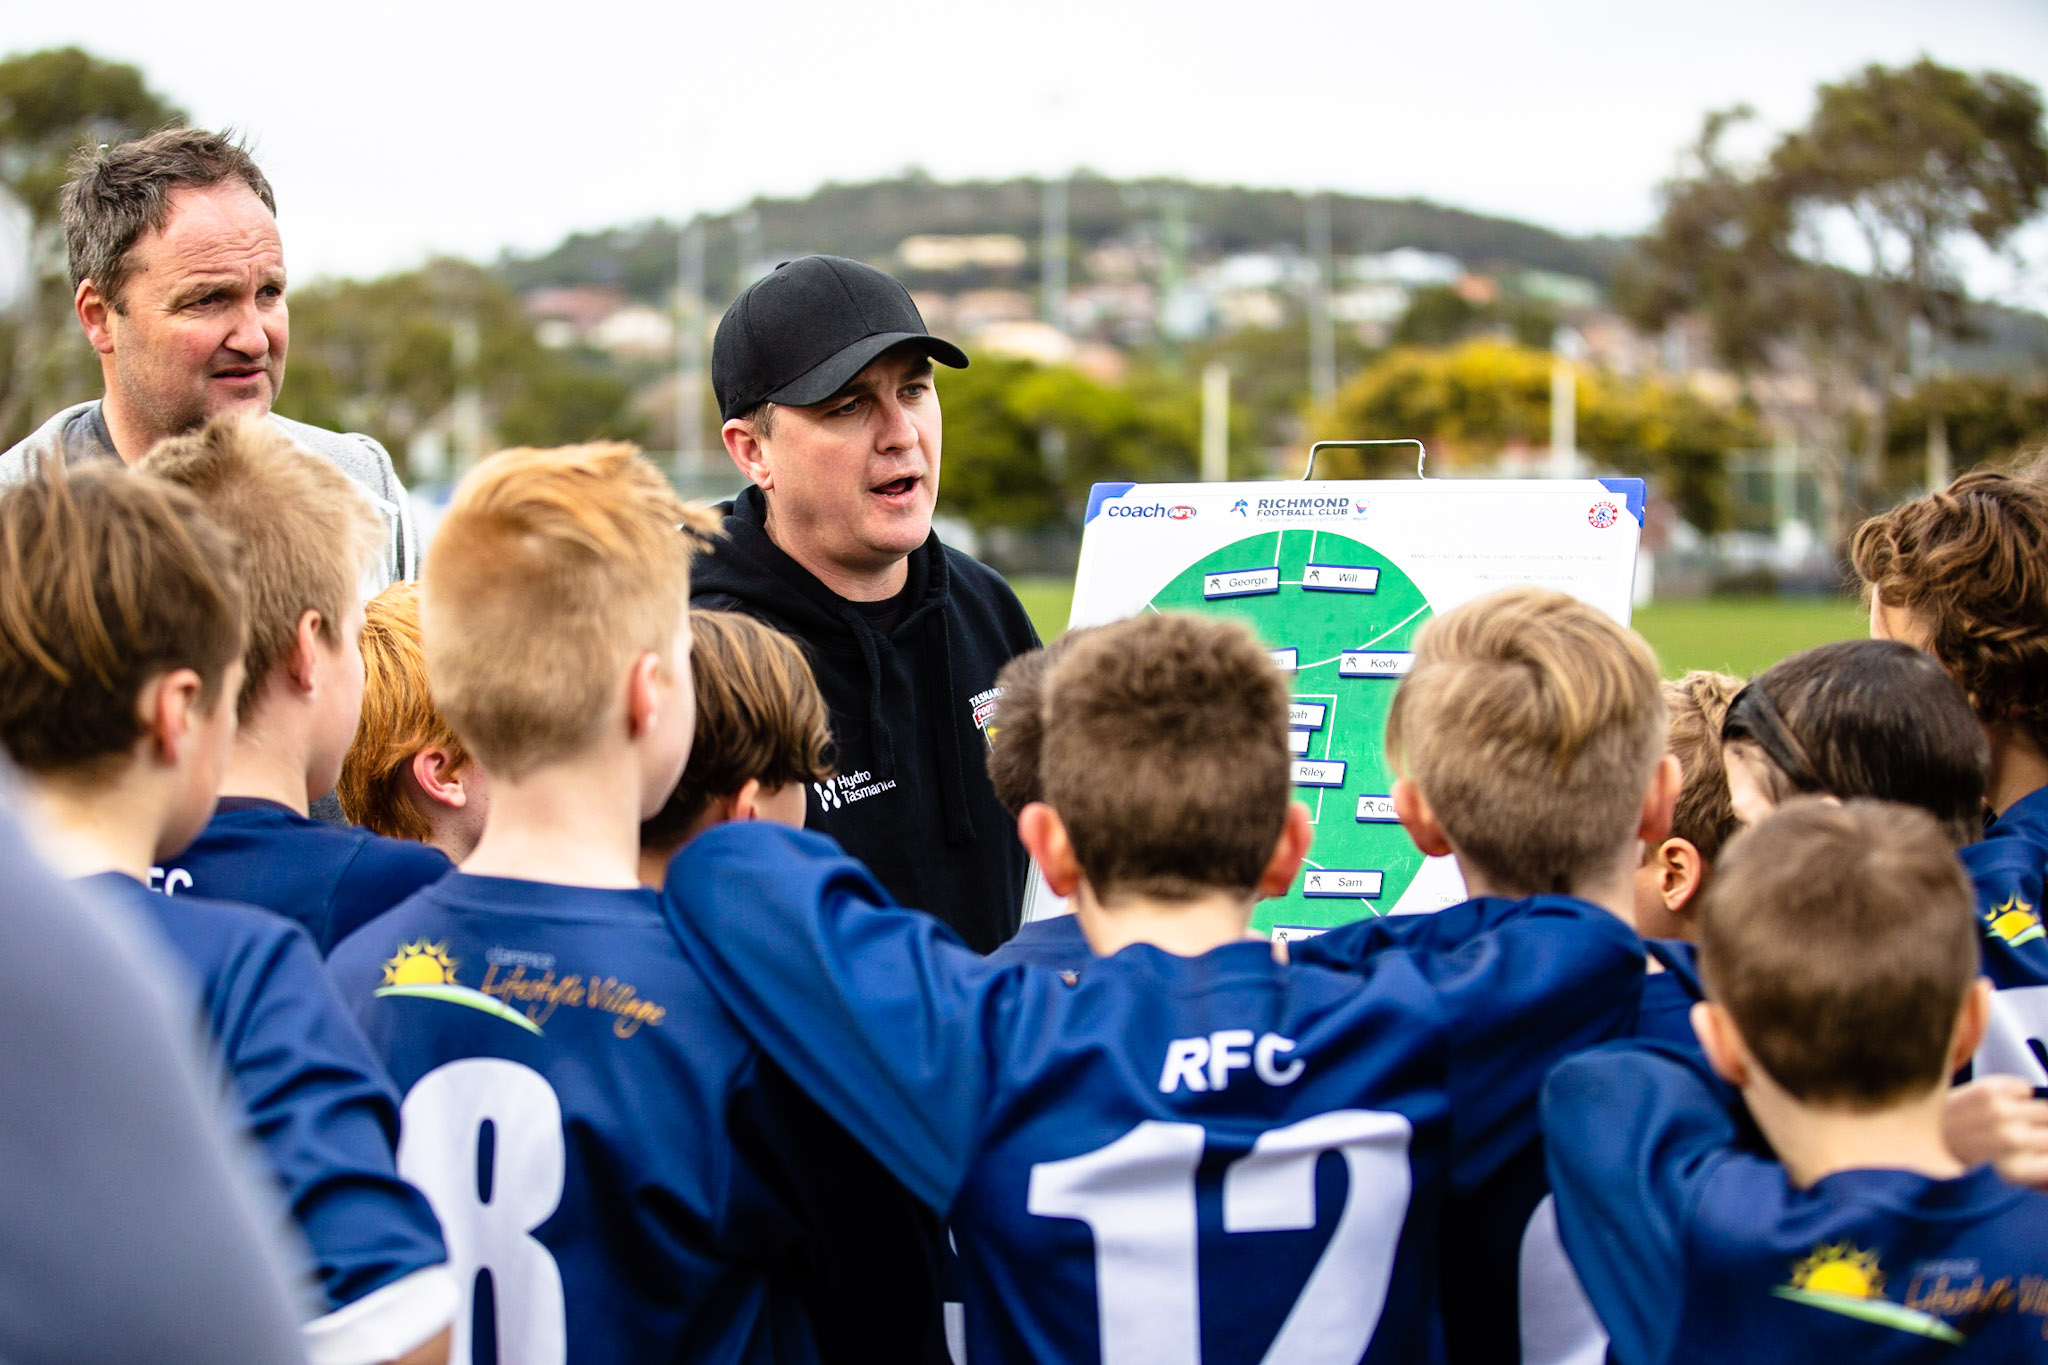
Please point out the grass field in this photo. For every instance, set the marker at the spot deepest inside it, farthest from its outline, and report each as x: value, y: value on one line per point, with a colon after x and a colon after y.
x: 1738, y: 635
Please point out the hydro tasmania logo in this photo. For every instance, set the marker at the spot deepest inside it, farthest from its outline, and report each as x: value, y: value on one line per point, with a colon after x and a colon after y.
x: 1149, y: 511
x: 847, y: 788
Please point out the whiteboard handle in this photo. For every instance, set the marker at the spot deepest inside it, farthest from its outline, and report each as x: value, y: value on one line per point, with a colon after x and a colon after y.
x: 1421, y: 455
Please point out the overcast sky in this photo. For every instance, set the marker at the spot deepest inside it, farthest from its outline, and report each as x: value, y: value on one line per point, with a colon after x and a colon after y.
x: 406, y: 129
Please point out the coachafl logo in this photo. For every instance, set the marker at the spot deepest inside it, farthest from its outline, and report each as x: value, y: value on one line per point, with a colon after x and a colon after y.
x: 1181, y: 513
x: 1603, y: 515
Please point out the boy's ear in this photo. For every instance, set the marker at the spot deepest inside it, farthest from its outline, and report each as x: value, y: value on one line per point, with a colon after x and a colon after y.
x: 1971, y: 1021
x: 435, y: 773
x: 643, y: 694
x: 304, y: 653
x: 745, y: 804
x: 1288, y: 851
x: 1722, y: 1043
x: 169, y: 704
x: 1680, y: 871
x: 1044, y: 836
x: 1411, y: 808
x: 1660, y: 800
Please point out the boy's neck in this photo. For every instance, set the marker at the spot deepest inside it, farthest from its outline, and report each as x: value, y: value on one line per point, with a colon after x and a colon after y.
x: 1815, y: 1141
x: 268, y: 761
x: 575, y: 823
x: 1185, y: 928
x: 85, y: 828
x: 2018, y: 768
x: 1614, y: 892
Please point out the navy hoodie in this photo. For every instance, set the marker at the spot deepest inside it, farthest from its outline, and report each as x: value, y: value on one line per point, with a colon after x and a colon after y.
x: 910, y: 707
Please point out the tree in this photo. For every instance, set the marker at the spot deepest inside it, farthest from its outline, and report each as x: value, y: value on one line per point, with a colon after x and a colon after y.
x: 386, y: 357
x: 1469, y: 404
x: 53, y: 102
x: 1024, y: 443
x: 1814, y: 266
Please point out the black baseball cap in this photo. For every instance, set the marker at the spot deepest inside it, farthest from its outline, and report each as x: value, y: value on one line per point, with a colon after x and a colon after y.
x: 798, y: 333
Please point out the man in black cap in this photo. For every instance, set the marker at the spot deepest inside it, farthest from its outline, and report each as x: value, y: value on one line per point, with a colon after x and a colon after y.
x: 823, y: 371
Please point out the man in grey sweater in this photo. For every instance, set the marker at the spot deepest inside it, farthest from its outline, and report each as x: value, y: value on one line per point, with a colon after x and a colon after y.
x: 178, y: 280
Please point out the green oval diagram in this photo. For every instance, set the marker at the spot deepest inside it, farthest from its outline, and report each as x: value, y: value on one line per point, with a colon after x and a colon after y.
x: 1341, y: 619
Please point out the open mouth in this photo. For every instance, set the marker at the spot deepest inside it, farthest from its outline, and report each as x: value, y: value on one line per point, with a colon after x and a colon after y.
x: 896, y: 489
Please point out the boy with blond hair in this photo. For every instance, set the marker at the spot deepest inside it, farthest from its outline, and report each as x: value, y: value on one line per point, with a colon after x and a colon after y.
x: 310, y: 541
x: 407, y: 776
x: 639, y: 1194
x: 1132, y: 1164
x: 1530, y: 736
x: 761, y: 735
x: 1839, y: 952
x: 1675, y: 870
x: 122, y: 614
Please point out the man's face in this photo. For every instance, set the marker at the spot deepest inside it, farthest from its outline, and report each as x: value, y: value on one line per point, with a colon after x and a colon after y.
x: 202, y: 327
x: 851, y: 481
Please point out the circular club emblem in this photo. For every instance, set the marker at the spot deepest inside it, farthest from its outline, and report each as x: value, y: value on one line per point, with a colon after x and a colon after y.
x: 1603, y: 515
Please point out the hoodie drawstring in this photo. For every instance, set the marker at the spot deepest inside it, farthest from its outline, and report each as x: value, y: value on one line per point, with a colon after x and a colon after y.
x: 885, y: 744
x: 952, y: 764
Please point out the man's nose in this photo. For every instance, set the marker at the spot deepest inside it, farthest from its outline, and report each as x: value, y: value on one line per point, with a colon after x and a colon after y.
x: 898, y: 431
x: 247, y: 336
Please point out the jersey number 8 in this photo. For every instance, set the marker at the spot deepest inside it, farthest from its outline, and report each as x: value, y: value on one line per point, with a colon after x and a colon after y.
x: 488, y: 1215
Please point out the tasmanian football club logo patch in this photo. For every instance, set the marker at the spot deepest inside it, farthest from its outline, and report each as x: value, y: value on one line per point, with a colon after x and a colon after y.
x: 1838, y: 1277
x: 425, y: 971
x: 982, y: 706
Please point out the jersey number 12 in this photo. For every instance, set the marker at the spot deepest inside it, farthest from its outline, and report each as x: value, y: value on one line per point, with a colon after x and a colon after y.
x: 1137, y: 1195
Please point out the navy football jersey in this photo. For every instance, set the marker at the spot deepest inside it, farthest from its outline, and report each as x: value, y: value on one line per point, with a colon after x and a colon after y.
x: 1669, y: 995
x: 1510, y: 1293
x: 1056, y: 943
x: 2008, y: 869
x: 621, y: 1175
x: 1695, y: 1249
x: 321, y: 1109
x: 332, y: 879
x: 1176, y: 1159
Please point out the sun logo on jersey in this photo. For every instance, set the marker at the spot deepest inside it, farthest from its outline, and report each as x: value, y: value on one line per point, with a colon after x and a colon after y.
x: 1838, y: 1277
x: 2015, y: 921
x: 1840, y: 1270
x: 425, y: 971
x: 420, y: 964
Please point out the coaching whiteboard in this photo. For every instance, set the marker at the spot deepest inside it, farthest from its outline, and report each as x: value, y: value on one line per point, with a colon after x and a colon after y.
x: 1337, y: 578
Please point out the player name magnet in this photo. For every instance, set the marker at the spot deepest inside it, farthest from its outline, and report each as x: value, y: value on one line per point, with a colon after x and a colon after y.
x: 1339, y: 578
x: 1377, y: 810
x: 1240, y: 583
x: 1374, y: 663
x: 1330, y: 882
x: 1309, y: 772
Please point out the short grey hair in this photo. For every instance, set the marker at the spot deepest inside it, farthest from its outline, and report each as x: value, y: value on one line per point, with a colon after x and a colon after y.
x: 117, y: 193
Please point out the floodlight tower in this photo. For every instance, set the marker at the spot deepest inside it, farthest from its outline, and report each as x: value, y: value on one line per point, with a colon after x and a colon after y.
x: 690, y: 350
x: 1322, y: 342
x: 1052, y: 253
